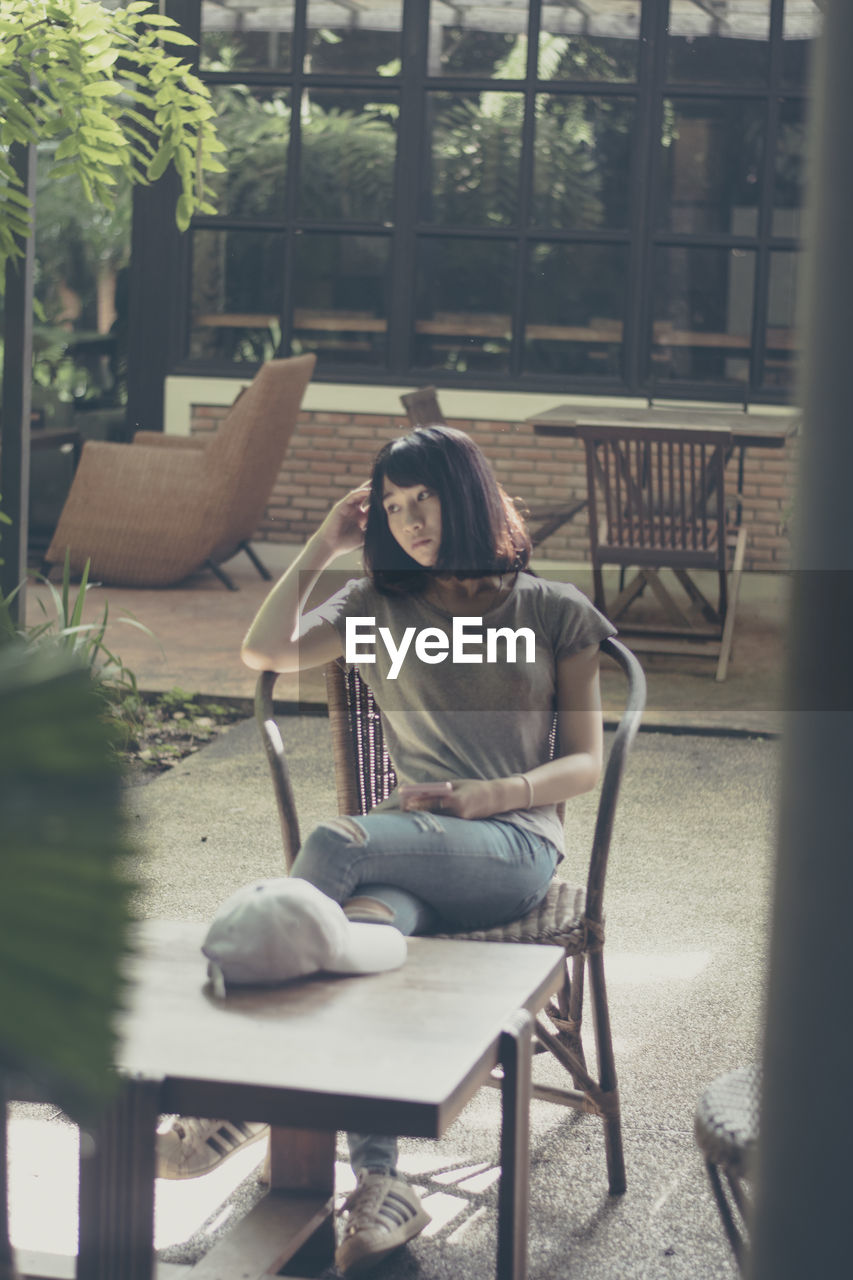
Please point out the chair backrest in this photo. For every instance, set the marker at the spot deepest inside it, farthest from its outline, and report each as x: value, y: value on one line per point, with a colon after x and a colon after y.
x: 423, y: 408
x: 364, y: 774
x: 657, y: 496
x: 243, y: 459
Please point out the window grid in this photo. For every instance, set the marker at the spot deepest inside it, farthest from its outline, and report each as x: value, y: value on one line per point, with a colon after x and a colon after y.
x: 641, y: 238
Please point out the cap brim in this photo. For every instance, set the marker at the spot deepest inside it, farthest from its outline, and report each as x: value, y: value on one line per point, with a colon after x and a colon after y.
x: 370, y: 948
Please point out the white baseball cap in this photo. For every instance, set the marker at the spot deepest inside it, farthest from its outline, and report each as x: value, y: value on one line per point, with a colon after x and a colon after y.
x: 273, y: 930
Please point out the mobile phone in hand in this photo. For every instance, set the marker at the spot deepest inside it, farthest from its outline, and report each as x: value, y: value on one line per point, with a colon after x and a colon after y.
x: 424, y: 790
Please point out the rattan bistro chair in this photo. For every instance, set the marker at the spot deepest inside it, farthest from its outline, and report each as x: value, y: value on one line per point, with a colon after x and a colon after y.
x: 726, y: 1129
x: 571, y: 916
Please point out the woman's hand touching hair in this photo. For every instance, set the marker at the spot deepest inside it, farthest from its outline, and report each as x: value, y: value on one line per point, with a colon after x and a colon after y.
x: 281, y: 637
x: 344, y: 526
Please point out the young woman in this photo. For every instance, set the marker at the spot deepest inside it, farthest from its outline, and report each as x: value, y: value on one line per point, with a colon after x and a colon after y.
x: 468, y: 656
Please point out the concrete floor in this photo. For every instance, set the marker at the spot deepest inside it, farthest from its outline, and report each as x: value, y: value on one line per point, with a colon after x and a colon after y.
x: 196, y: 629
x: 687, y: 905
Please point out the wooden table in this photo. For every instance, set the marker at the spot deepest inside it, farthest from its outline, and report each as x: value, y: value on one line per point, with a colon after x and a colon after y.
x: 750, y: 430
x: 398, y: 1052
x: 762, y: 430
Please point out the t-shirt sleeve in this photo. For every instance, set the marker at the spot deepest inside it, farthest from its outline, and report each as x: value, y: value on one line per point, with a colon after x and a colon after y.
x: 350, y: 601
x: 578, y: 623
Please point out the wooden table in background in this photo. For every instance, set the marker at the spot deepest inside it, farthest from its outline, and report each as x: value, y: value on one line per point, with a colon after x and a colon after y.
x: 750, y: 430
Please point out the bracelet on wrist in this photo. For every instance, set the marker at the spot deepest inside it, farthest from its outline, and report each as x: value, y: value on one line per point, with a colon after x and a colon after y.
x: 525, y: 778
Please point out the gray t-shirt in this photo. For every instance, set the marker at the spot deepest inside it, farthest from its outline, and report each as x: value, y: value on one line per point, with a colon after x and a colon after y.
x: 447, y: 718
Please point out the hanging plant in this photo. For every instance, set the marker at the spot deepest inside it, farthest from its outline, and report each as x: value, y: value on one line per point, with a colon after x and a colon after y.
x: 105, y: 89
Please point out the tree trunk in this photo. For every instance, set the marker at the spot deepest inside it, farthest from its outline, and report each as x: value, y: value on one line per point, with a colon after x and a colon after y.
x: 17, y: 392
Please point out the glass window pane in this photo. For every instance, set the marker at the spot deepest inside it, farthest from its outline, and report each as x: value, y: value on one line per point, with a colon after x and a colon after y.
x: 340, y: 297
x: 703, y: 303
x: 475, y: 148
x: 789, y: 189
x: 781, y: 344
x: 599, y: 42
x: 244, y: 35
x: 254, y: 125
x: 349, y: 146
x: 463, y: 304
x: 582, y: 161
x: 710, y: 165
x: 485, y: 39
x: 361, y: 39
x: 82, y: 252
x: 575, y: 308
x: 236, y: 295
x: 713, y: 43
x: 800, y: 28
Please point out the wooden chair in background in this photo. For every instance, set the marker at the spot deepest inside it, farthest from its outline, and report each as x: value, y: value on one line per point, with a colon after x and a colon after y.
x: 424, y: 410
x: 571, y: 915
x: 657, y: 500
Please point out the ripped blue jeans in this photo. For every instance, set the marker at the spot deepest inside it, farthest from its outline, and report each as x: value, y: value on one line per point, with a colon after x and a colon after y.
x: 436, y: 873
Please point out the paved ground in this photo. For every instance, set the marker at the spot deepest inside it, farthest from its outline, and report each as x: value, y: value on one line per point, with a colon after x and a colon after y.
x: 196, y: 631
x: 686, y: 905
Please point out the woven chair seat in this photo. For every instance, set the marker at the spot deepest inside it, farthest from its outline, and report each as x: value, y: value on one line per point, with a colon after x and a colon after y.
x: 726, y: 1122
x: 558, y: 919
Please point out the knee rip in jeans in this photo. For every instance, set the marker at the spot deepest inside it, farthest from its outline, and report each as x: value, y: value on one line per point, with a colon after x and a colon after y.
x: 425, y: 820
x: 348, y: 829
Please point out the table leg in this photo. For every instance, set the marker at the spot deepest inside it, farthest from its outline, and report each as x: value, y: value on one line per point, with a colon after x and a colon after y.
x: 117, y: 1187
x: 303, y: 1161
x: 741, y: 461
x: 513, y: 1193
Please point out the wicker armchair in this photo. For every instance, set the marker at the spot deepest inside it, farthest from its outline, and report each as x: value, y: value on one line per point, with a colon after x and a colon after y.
x: 570, y: 916
x: 151, y: 513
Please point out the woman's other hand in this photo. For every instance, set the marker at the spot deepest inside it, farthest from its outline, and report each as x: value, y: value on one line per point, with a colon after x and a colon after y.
x: 343, y: 528
x: 469, y: 798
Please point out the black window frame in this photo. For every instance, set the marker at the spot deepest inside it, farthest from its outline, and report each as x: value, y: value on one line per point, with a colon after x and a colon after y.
x: 642, y: 236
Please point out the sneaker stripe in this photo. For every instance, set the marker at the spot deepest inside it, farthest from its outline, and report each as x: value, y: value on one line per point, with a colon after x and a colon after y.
x: 397, y: 1215
x: 383, y: 1214
x: 228, y: 1136
x: 400, y: 1205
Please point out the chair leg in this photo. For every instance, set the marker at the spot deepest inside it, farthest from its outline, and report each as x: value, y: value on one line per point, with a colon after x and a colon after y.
x: 222, y: 575
x: 256, y: 561
x: 729, y: 624
x: 627, y: 595
x: 607, y: 1075
x: 704, y: 605
x: 736, y: 1239
x: 598, y: 588
x: 566, y: 1013
x: 575, y: 1009
x: 676, y: 616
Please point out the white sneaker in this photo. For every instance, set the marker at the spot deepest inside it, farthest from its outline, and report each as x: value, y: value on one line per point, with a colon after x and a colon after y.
x: 383, y: 1213
x: 187, y: 1148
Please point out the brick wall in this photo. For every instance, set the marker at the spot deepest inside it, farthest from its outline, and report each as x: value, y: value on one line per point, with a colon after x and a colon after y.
x: 332, y: 452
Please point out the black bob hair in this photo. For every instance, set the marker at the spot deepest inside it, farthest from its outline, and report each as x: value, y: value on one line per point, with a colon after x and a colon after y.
x: 482, y: 533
